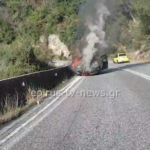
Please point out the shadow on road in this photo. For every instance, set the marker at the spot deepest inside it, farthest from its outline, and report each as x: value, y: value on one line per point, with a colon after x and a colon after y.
x: 118, y: 68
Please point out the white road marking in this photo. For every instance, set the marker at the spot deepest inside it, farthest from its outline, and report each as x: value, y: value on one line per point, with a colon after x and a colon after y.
x: 135, y: 73
x: 138, y: 74
x: 69, y: 84
x: 17, y: 138
x: 34, y: 109
x: 35, y: 116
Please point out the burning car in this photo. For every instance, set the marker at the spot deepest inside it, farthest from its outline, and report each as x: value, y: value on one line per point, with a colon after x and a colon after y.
x: 96, y: 66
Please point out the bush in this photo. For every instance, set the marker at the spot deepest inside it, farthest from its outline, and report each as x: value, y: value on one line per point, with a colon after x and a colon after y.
x: 20, y: 58
x: 22, y: 26
x: 7, y: 34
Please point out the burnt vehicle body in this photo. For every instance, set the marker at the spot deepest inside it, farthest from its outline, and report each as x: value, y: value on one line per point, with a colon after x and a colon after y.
x: 97, y: 65
x: 105, y: 62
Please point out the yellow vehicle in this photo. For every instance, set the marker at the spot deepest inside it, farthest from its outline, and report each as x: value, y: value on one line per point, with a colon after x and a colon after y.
x: 120, y: 58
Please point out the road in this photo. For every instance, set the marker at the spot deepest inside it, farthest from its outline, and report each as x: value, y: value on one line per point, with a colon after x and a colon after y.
x: 116, y: 119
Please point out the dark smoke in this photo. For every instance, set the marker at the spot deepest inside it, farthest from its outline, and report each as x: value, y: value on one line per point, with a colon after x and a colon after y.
x: 94, y: 13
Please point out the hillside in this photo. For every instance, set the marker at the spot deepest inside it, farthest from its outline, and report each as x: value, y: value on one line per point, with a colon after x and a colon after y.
x: 34, y: 32
x: 128, y: 28
x: 25, y: 27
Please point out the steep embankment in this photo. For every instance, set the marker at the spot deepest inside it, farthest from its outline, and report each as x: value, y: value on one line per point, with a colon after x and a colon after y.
x: 128, y: 28
x: 35, y: 31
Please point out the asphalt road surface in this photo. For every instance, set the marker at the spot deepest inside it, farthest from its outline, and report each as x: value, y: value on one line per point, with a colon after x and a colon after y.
x: 110, y: 111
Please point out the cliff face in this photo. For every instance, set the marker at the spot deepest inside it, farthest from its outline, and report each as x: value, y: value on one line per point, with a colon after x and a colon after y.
x: 58, y: 47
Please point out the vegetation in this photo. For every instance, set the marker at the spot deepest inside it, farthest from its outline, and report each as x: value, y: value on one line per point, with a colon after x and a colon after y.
x: 128, y: 28
x: 11, y: 110
x: 23, y: 22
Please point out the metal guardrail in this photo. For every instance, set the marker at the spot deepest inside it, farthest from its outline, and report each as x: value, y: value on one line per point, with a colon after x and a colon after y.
x: 18, y: 86
x: 60, y: 63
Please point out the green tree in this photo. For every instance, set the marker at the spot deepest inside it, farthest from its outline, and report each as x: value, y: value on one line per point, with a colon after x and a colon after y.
x: 142, y: 9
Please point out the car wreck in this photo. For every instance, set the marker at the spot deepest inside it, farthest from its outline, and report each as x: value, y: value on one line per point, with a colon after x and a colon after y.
x: 97, y: 65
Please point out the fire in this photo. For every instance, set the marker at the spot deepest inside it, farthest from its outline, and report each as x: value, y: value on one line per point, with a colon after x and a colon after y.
x: 76, y: 62
x: 85, y: 74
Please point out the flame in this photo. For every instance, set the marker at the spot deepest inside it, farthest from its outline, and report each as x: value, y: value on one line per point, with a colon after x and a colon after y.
x: 85, y: 74
x: 76, y: 62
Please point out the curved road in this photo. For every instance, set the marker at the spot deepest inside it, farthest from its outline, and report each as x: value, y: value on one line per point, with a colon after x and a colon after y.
x: 110, y: 111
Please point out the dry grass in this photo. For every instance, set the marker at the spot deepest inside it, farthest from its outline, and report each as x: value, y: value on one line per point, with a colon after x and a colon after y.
x: 12, y: 110
x: 9, y: 115
x: 30, y: 99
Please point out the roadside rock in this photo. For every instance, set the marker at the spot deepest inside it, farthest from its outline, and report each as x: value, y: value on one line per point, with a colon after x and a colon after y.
x: 147, y: 55
x: 58, y: 47
x: 138, y: 53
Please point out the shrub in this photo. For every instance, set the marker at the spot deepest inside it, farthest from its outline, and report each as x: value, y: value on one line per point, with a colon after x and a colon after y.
x: 7, y: 34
